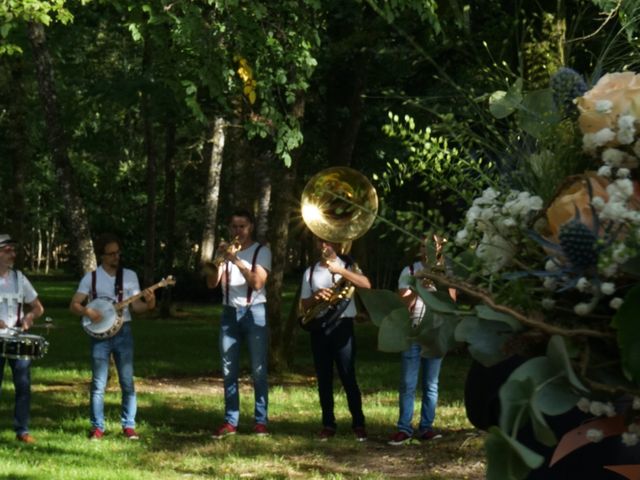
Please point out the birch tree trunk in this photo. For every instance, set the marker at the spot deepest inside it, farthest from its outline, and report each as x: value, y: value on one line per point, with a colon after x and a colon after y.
x: 212, y: 194
x: 75, y: 215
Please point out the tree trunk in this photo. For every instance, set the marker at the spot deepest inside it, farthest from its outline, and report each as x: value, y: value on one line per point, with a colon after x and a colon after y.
x: 152, y: 171
x: 264, y: 198
x: 19, y: 154
x: 169, y: 208
x: 212, y: 195
x: 75, y: 216
x: 281, y: 326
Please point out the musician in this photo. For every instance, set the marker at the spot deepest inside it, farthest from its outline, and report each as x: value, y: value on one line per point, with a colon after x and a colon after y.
x: 16, y: 293
x: 113, y: 282
x: 243, y: 275
x: 412, y: 359
x: 334, y: 341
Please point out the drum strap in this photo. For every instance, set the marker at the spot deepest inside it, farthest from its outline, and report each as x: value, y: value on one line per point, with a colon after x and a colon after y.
x: 20, y: 296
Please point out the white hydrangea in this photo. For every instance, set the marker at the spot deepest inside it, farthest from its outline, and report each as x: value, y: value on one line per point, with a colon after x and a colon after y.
x: 626, y: 129
x: 630, y: 439
x: 608, y: 288
x: 583, y: 284
x: 616, y: 303
x: 550, y: 283
x: 584, y: 405
x: 604, y: 136
x: 582, y: 309
x: 551, y: 266
x: 603, y: 106
x: 548, y: 303
x: 623, y: 173
x: 495, y: 252
x: 594, y: 435
x: 462, y: 237
x: 604, y: 171
x: 636, y: 406
x: 613, y: 157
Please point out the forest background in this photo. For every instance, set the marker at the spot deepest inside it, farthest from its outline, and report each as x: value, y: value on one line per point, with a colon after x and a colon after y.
x: 155, y: 119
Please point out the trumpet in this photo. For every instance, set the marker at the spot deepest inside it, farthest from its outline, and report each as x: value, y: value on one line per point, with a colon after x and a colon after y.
x: 211, y: 268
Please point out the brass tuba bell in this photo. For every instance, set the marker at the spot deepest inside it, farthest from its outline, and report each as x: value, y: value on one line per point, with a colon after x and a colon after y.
x: 339, y: 204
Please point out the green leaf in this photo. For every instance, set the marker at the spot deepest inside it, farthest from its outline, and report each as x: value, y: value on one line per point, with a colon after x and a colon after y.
x: 538, y: 113
x: 485, y: 339
x: 381, y: 303
x: 393, y: 335
x: 508, y: 459
x: 436, y: 333
x: 437, y: 301
x: 502, y: 104
x: 487, y: 313
x: 559, y: 356
x: 626, y: 322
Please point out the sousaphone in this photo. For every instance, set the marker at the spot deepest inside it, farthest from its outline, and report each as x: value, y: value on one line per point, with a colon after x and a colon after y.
x: 338, y: 205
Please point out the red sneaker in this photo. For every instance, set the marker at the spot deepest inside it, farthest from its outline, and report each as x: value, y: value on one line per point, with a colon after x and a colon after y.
x: 361, y: 434
x: 96, y: 433
x: 428, y: 435
x: 25, y: 438
x: 326, y: 433
x: 260, y: 430
x: 399, y: 438
x: 130, y: 433
x: 224, y: 431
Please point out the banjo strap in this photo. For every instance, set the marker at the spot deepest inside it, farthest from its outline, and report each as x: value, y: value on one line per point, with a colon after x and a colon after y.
x: 117, y: 287
x: 227, y: 274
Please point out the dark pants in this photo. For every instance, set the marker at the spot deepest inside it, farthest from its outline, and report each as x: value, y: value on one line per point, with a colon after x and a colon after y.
x: 338, y: 346
x: 22, y: 382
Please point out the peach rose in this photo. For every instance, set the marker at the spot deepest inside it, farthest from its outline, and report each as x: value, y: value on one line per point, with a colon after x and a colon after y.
x: 575, y: 195
x: 622, y: 89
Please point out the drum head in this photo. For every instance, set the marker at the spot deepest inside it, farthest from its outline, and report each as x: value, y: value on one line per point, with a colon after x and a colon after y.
x: 108, y: 316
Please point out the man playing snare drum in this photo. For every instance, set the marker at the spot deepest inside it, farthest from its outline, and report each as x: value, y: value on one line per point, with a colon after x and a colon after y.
x: 16, y: 293
x: 114, y: 283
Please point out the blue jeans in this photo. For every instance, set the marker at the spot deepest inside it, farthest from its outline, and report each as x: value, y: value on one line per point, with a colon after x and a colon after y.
x: 411, y: 363
x: 339, y: 346
x: 22, y: 382
x: 121, y: 345
x: 250, y: 324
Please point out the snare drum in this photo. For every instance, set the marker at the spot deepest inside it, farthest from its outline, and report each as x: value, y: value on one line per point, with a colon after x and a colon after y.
x: 23, y: 346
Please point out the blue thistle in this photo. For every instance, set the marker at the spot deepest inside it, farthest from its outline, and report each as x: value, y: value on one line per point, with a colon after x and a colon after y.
x: 567, y: 85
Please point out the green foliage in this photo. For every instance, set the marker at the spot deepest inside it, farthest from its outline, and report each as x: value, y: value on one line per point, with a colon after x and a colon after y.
x: 390, y: 315
x: 625, y: 321
x: 508, y: 459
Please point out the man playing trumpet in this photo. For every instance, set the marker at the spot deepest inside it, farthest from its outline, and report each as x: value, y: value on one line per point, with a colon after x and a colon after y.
x: 243, y: 274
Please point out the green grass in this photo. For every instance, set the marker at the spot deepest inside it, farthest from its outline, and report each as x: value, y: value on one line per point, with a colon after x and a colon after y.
x: 180, y: 402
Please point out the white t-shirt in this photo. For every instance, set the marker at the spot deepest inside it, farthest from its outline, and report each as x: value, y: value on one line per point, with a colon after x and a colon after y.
x: 106, y: 287
x: 12, y: 293
x: 323, y: 278
x: 419, y: 308
x: 237, y: 284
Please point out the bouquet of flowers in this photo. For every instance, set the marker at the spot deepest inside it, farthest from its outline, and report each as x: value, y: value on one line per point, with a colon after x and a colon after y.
x: 550, y: 273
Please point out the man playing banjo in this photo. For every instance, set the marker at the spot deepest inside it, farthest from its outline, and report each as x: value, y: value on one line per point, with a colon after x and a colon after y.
x: 112, y: 282
x: 15, y: 292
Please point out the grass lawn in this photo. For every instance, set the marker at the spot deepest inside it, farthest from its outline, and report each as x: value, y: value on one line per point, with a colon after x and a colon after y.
x: 180, y: 403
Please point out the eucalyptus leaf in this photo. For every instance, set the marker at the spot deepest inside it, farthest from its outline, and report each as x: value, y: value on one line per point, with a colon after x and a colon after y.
x: 485, y: 339
x: 393, y: 334
x: 541, y: 429
x: 381, y: 303
x: 487, y: 313
x: 508, y: 459
x: 537, y: 112
x: 558, y: 354
x: 436, y: 333
x: 440, y: 302
x: 515, y: 398
x: 502, y: 104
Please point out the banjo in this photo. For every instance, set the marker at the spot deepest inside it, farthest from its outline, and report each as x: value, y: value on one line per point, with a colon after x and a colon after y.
x: 112, y: 318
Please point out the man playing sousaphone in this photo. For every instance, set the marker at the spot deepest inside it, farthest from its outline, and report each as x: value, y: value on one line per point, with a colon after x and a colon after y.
x: 332, y: 334
x: 16, y: 292
x: 111, y: 281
